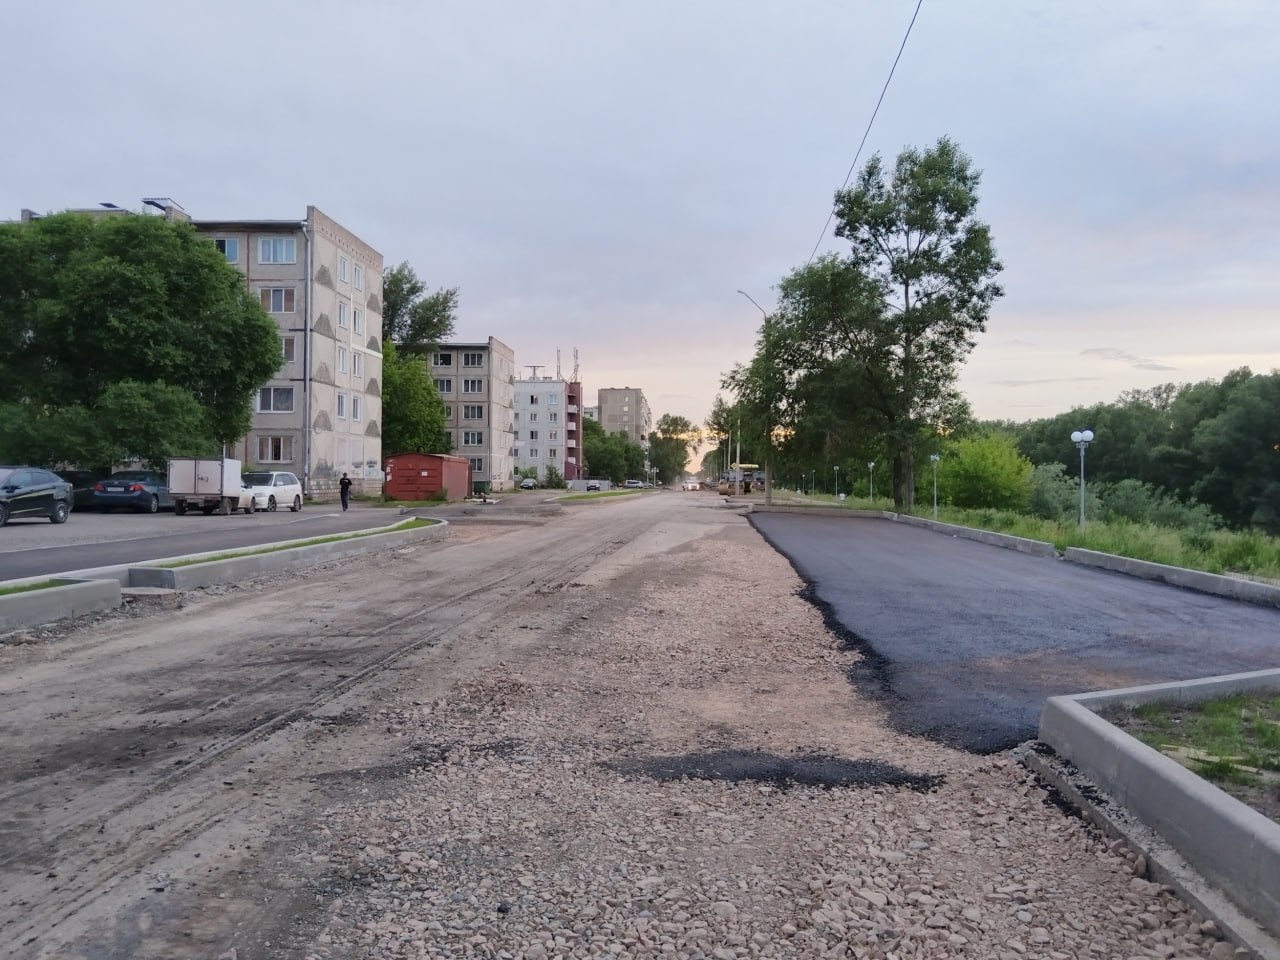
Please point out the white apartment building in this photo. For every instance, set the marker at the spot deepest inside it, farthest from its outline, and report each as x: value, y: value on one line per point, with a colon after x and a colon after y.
x: 548, y: 426
x: 625, y: 410
x: 476, y: 381
x: 321, y: 415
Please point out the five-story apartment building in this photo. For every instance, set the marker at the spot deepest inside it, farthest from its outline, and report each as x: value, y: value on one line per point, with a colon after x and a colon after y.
x: 476, y: 381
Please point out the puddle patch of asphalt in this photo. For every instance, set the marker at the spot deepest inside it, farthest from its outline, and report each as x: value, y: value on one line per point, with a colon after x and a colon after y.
x: 758, y: 766
x: 874, y: 677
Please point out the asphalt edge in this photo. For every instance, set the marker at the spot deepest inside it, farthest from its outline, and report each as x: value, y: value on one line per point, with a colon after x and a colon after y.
x: 1249, y: 591
x: 1218, y: 853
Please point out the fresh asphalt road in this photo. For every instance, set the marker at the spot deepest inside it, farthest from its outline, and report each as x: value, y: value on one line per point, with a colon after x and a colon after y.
x: 36, y: 548
x: 968, y: 640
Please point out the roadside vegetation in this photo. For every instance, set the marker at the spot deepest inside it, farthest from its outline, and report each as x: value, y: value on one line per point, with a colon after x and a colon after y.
x: 28, y: 587
x: 276, y: 548
x: 600, y: 494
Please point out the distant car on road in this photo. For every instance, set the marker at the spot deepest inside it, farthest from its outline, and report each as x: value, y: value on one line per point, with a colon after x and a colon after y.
x: 634, y: 484
x: 32, y: 492
x: 273, y: 489
x: 691, y: 485
x: 142, y: 490
x: 528, y: 483
x: 593, y: 486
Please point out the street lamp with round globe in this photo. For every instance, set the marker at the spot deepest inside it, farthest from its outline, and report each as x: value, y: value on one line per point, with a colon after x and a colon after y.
x: 933, y: 459
x: 1082, y: 439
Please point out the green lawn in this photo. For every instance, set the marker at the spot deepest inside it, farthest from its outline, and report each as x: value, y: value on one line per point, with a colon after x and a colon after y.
x: 276, y: 548
x: 599, y: 494
x: 28, y: 587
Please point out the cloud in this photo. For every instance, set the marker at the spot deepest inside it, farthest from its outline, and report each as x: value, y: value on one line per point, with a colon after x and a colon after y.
x: 1043, y: 380
x: 1124, y: 356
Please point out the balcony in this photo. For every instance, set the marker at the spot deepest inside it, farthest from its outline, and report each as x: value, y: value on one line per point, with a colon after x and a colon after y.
x: 571, y: 408
x: 571, y: 443
x: 572, y: 460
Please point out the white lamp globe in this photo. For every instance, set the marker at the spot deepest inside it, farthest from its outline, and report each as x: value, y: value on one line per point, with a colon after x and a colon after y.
x: 1087, y: 436
x: 1076, y: 436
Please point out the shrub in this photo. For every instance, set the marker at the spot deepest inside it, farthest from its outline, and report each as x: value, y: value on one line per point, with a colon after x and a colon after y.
x: 985, y: 472
x: 554, y: 479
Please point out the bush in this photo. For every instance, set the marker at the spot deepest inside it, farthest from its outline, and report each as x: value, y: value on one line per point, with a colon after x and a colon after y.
x: 1142, y: 503
x: 985, y: 472
x: 554, y: 479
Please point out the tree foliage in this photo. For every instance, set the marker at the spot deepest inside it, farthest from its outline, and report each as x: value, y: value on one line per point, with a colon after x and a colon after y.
x: 985, y: 471
x: 612, y: 456
x: 871, y: 342
x: 412, y: 412
x: 416, y: 321
x: 670, y: 446
x: 124, y: 337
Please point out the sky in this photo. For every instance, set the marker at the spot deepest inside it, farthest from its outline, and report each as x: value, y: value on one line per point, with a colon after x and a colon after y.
x: 606, y: 176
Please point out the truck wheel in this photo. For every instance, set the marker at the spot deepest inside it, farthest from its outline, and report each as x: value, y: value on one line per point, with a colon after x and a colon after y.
x: 179, y: 507
x: 248, y: 510
x: 224, y: 507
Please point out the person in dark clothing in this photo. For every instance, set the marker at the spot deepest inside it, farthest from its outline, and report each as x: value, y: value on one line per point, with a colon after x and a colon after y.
x: 344, y: 491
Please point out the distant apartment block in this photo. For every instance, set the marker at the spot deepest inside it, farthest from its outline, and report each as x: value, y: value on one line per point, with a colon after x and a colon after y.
x: 548, y: 426
x: 476, y: 381
x: 625, y: 410
x: 321, y: 415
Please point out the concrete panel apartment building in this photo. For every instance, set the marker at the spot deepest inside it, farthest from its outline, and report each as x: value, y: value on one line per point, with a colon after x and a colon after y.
x: 548, y: 426
x: 321, y: 414
x: 625, y: 410
x: 476, y: 381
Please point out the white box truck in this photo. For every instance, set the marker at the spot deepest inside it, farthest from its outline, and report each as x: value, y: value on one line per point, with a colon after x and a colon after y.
x: 211, y: 484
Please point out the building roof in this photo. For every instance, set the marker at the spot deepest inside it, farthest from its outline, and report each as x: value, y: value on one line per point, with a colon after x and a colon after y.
x: 260, y: 226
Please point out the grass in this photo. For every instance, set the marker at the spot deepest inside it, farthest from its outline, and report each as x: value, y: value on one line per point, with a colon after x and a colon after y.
x: 1234, y: 740
x: 600, y: 494
x: 28, y: 587
x: 276, y: 548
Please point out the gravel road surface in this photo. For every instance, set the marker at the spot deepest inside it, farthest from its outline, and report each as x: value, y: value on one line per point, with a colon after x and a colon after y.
x: 617, y: 732
x: 968, y: 640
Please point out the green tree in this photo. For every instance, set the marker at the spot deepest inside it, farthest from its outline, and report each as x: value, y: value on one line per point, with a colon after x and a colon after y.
x: 415, y: 320
x: 124, y: 337
x: 670, y: 446
x: 612, y: 456
x: 554, y: 479
x: 889, y: 324
x: 985, y: 472
x: 413, y: 416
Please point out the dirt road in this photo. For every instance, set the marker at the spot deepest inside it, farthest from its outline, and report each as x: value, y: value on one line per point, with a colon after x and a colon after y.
x: 572, y: 736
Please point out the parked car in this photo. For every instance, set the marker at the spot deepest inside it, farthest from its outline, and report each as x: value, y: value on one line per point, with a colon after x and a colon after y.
x: 593, y: 486
x: 82, y: 482
x: 143, y: 490
x: 528, y: 483
x: 274, y: 489
x: 634, y: 484
x: 32, y: 492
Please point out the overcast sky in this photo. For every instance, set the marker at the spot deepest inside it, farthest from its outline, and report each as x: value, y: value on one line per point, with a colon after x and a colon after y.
x: 607, y: 175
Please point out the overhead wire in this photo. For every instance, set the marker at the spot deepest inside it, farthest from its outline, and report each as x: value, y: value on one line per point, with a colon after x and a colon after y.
x: 848, y: 176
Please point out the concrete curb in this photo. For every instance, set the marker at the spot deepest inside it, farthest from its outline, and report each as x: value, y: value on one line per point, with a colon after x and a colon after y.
x: 1235, y: 848
x: 753, y: 507
x: 1236, y: 589
x: 236, y: 569
x: 71, y: 598
x: 1036, y: 548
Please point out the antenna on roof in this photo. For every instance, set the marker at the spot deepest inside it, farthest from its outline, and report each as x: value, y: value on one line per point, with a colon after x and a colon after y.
x: 535, y: 367
x: 558, y: 377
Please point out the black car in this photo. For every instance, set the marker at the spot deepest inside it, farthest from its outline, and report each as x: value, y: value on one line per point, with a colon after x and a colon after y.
x: 82, y: 482
x: 32, y: 492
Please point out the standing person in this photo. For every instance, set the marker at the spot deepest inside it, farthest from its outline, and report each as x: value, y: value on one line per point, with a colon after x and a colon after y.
x: 344, y: 491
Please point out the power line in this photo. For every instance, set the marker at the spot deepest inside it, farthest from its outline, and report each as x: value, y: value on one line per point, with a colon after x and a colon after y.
x: 867, y: 132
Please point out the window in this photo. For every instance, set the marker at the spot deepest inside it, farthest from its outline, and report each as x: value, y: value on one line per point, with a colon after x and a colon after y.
x: 277, y: 250
x: 342, y: 406
x: 553, y: 434
x: 553, y: 453
x: 342, y: 314
x: 444, y: 386
x: 275, y: 449
x: 533, y: 418
x: 515, y: 434
x: 516, y: 416
x: 275, y: 400
x: 357, y: 364
x: 473, y: 386
x: 342, y: 359
x: 533, y: 452
x: 477, y: 464
x: 342, y: 269
x: 442, y: 360
x: 473, y: 411
x: 533, y: 400
x: 358, y: 273
x: 289, y: 349
x: 356, y: 404
x: 473, y: 438
x: 553, y: 417
x: 448, y: 411
x: 229, y: 247
x: 552, y: 400
x: 357, y: 320
x: 277, y: 299
x: 473, y: 359
x: 533, y: 434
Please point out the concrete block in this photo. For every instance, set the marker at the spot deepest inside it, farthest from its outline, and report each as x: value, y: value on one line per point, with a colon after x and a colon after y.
x: 1248, y: 590
x: 71, y: 598
x: 1036, y: 548
x: 1232, y: 845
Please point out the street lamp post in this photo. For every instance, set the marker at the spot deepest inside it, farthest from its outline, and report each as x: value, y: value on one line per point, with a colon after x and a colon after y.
x: 812, y: 476
x: 836, y: 491
x: 1082, y: 439
x: 871, y: 475
x: 933, y: 458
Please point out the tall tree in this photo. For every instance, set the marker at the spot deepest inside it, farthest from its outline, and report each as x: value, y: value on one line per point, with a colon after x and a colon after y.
x: 898, y: 315
x: 670, y: 446
x: 760, y: 387
x: 413, y: 413
x: 124, y: 337
x: 416, y: 321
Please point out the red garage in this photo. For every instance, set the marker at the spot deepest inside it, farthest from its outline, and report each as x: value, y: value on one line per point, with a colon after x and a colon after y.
x: 422, y: 476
